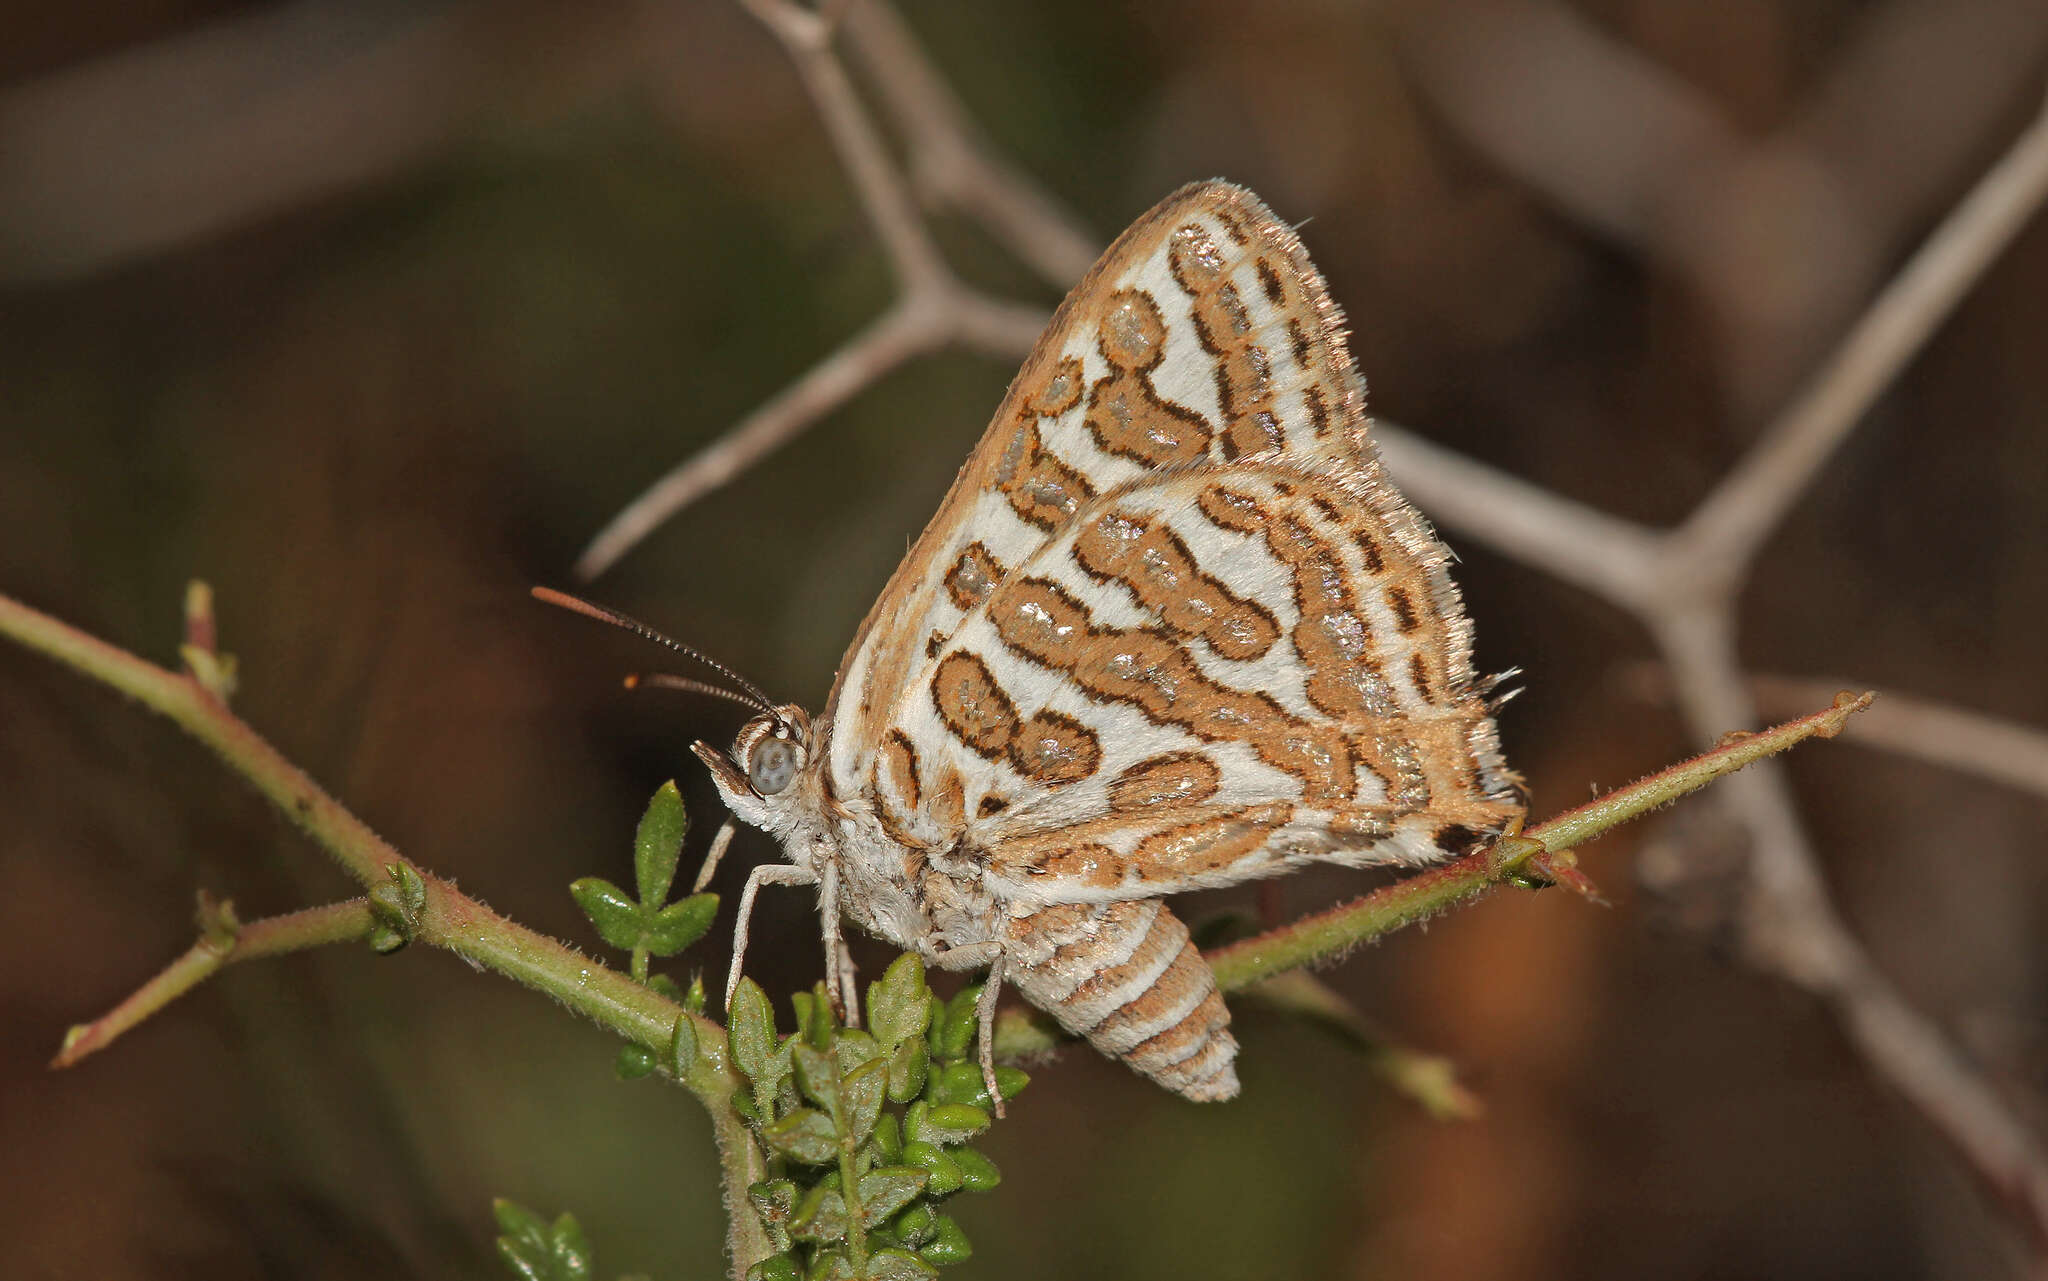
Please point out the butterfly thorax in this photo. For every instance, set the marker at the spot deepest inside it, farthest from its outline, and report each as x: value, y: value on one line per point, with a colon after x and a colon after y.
x: 774, y: 778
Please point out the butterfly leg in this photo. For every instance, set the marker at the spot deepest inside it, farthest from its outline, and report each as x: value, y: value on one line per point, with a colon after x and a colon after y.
x: 766, y: 874
x: 839, y: 972
x: 985, y: 1013
x: 717, y: 852
x: 990, y: 954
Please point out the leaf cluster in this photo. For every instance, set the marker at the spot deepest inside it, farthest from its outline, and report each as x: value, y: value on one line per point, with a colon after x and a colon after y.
x: 536, y: 1250
x: 866, y: 1131
x: 648, y: 925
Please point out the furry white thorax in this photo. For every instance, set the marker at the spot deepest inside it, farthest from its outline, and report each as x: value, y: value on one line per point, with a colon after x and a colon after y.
x: 843, y: 842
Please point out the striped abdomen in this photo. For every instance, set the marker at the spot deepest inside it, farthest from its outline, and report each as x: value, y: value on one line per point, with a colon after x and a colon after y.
x: 1126, y: 977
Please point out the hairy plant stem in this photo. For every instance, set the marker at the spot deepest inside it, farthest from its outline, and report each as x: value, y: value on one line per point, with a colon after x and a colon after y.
x: 449, y: 919
x: 1541, y: 854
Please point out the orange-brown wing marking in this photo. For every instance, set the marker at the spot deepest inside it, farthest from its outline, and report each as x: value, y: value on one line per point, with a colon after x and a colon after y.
x: 1126, y: 415
x: 972, y: 705
x: 1243, y: 371
x: 1207, y: 845
x: 1151, y: 561
x: 1150, y: 670
x: 1172, y: 779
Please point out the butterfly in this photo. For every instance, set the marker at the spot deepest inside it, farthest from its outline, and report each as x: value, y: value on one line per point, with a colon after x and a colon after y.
x: 1172, y: 628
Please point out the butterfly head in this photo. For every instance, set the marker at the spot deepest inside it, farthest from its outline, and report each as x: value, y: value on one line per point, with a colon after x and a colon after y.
x: 768, y: 779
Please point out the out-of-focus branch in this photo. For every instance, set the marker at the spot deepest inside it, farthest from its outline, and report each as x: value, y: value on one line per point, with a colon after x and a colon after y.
x: 934, y: 309
x: 1717, y: 543
x: 1783, y: 234
x: 1610, y: 557
x: 950, y: 162
x: 1692, y: 575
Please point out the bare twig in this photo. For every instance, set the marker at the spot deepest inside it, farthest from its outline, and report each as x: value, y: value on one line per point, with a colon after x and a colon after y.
x: 1971, y: 742
x: 215, y: 950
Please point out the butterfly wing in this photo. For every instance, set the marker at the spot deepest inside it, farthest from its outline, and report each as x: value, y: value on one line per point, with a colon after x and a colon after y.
x: 1172, y: 626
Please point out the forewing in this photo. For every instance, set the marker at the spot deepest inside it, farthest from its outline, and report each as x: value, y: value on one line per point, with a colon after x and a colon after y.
x: 1244, y: 618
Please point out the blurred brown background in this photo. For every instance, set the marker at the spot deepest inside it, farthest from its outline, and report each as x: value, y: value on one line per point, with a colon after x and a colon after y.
x: 371, y: 313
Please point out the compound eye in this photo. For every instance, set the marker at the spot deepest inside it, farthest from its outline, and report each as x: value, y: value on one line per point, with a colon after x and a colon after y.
x: 772, y: 766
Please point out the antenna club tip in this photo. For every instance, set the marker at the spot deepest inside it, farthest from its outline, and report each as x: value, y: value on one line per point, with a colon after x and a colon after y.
x: 632, y: 680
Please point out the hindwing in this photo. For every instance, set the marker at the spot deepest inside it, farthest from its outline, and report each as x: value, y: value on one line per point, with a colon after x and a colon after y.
x: 1172, y: 626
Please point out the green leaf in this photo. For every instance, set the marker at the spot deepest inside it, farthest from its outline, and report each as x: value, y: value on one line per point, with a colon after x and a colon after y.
x: 860, y: 1096
x: 412, y: 891
x: 896, y: 1265
x: 396, y: 905
x: 618, y: 919
x: 948, y: 1245
x: 951, y: 1123
x: 821, y: 1217
x: 634, y: 1062
x: 526, y: 1229
x: 817, y: 1075
x: 1010, y: 1081
x: 680, y: 924
x: 855, y: 1048
x: 756, y: 1052
x: 958, y: 1083
x: 907, y: 1069
x: 899, y: 1003
x: 916, y: 1225
x: 682, y: 1046
x: 887, y: 1139
x: 977, y: 1172
x: 814, y: 1016
x: 541, y: 1252
x: 832, y: 1265
x: 885, y: 1191
x: 693, y: 997
x: 658, y: 844
x: 665, y: 985
x: 776, y: 1267
x: 806, y: 1135
x: 945, y: 1174
x: 775, y: 1201
x: 954, y: 1029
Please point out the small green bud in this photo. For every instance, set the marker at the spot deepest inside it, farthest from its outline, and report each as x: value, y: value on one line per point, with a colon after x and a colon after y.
x: 634, y: 1062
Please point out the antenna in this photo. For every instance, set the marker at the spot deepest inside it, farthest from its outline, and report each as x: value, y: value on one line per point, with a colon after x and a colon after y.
x: 664, y: 680
x: 577, y: 605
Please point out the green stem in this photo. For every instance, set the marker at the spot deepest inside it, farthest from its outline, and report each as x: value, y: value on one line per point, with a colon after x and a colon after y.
x: 1430, y: 1081
x: 272, y: 936
x: 1541, y: 850
x: 849, y: 1175
x: 448, y: 919
x: 1327, y: 934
